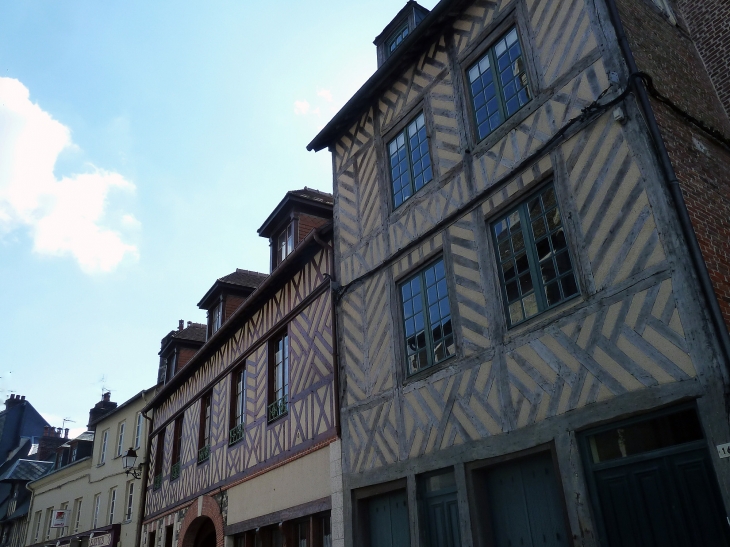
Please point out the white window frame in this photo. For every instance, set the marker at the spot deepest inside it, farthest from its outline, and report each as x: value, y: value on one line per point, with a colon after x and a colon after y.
x: 112, y: 504
x: 120, y: 439
x: 97, y: 505
x: 138, y: 431
x: 36, y: 535
x: 130, y: 500
x: 49, y: 520
x: 77, y: 514
x: 104, y: 441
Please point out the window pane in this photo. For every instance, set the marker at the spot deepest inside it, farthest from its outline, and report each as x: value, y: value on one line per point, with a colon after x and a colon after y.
x: 483, y: 93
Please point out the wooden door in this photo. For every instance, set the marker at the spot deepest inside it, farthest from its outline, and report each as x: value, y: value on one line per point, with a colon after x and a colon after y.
x: 389, y: 520
x: 440, y: 509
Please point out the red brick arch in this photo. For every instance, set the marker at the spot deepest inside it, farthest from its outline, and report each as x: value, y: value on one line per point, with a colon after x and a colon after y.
x: 202, y: 509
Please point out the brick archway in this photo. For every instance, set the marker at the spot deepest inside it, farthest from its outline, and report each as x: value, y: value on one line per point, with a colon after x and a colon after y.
x: 204, y: 509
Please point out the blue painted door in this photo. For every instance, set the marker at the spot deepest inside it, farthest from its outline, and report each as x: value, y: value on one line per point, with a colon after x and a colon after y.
x: 389, y: 520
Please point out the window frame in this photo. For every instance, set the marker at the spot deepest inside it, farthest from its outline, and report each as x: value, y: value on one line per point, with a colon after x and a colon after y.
x: 112, y: 504
x: 538, y: 288
x: 238, y: 405
x: 170, y: 365
x: 476, y: 54
x: 37, y: 531
x: 176, y: 457
x: 120, y: 438
x: 281, y: 409
x: 102, y: 449
x: 401, y: 128
x: 419, y: 271
x: 97, y: 508
x: 138, y: 430
x: 78, y: 503
x: 204, y: 430
x: 393, y: 38
x: 159, y: 460
x: 215, y: 318
x: 130, y: 501
x: 286, y: 235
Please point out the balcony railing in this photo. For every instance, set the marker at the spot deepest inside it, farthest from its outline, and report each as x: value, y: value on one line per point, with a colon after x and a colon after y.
x: 204, y: 453
x: 236, y: 434
x: 175, y: 471
x: 278, y: 408
x: 157, y: 483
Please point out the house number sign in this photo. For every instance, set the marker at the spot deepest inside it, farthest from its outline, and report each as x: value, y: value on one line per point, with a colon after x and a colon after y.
x: 724, y: 450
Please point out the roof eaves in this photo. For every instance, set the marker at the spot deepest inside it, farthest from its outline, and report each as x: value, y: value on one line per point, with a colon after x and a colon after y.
x: 406, y: 53
x: 277, y: 275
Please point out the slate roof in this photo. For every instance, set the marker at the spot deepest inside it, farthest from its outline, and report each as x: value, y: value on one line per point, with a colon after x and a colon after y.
x: 194, y: 331
x: 244, y: 278
x: 26, y: 470
x: 316, y: 195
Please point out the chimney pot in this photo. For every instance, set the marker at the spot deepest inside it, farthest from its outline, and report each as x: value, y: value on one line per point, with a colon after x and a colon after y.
x: 12, y: 395
x: 180, y: 324
x: 190, y: 323
x: 22, y: 397
x: 45, y: 431
x: 106, y: 396
x: 66, y: 433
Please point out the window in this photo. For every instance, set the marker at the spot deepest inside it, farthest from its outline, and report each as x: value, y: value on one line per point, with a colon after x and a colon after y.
x: 387, y: 519
x: 130, y: 501
x: 279, y: 380
x: 520, y: 503
x: 284, y: 244
x: 170, y: 367
x: 159, y: 455
x: 104, y: 440
x: 97, y: 506
x: 77, y: 514
x: 427, y: 318
x: 396, y: 40
x: 215, y: 319
x: 168, y: 535
x: 534, y: 263
x: 410, y: 162
x: 204, y: 438
x: 64, y: 529
x: 138, y: 430
x: 37, y: 527
x: 498, y: 83
x: 238, y: 412
x: 48, y: 522
x: 112, y: 504
x: 120, y: 439
x: 176, y: 448
x: 152, y: 539
x: 74, y: 452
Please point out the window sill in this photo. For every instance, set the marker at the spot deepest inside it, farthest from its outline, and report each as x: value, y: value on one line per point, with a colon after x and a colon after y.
x: 543, y: 318
x: 426, y: 372
x: 100, y: 464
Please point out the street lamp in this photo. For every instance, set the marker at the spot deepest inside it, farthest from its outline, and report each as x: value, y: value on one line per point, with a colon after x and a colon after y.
x: 128, y: 461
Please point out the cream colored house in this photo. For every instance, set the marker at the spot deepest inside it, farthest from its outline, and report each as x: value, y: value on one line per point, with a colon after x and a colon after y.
x: 88, y: 482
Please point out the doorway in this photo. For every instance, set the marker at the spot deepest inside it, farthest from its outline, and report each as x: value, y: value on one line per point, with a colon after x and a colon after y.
x: 652, y: 482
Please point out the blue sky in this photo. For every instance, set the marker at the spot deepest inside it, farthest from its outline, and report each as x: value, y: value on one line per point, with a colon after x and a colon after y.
x: 141, y: 146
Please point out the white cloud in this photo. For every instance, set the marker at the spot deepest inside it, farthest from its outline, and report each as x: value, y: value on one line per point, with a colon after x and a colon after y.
x: 326, y: 94
x: 64, y: 217
x: 301, y: 108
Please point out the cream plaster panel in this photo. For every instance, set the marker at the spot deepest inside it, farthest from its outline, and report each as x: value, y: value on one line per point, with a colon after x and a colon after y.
x: 300, y: 481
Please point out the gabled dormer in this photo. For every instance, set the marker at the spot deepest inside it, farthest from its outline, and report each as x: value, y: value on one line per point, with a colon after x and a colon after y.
x: 300, y: 212
x: 398, y: 29
x: 178, y: 347
x: 226, y: 296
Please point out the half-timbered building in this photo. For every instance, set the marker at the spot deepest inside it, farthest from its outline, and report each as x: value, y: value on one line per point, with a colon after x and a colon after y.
x: 530, y: 353
x: 244, y: 442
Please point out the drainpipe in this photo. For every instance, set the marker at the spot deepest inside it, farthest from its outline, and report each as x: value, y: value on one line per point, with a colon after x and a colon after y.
x: 675, y: 191
x: 335, y: 355
x: 143, y: 490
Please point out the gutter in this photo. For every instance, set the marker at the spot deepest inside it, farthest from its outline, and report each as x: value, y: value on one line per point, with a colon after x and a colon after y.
x: 145, y: 478
x: 675, y: 190
x: 407, y: 52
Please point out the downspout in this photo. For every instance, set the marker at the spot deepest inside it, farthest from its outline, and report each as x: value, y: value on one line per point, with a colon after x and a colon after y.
x: 675, y: 191
x: 145, y: 476
x: 335, y: 355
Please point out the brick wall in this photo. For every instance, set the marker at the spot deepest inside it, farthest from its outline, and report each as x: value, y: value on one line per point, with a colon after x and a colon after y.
x: 307, y: 223
x: 701, y: 163
x: 232, y: 304
x: 709, y: 23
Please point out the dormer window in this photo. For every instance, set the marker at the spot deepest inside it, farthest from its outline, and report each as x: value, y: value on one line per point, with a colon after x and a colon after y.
x: 396, y: 39
x: 284, y: 244
x: 215, y: 319
x: 169, y: 367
